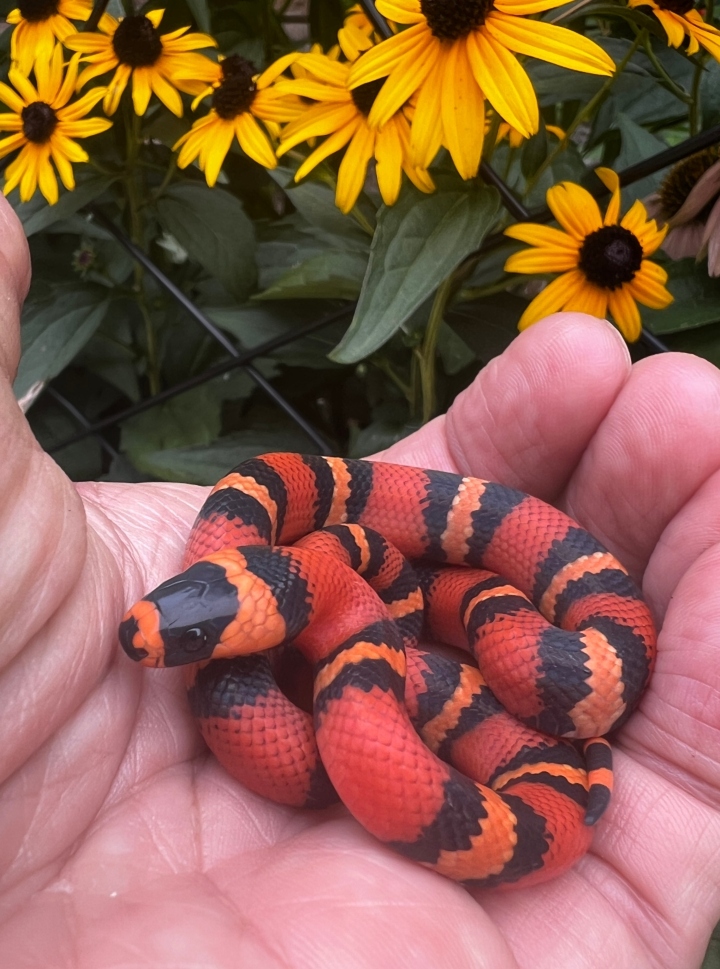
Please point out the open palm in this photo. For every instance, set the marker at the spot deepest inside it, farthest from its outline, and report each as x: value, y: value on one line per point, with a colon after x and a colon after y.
x: 123, y: 843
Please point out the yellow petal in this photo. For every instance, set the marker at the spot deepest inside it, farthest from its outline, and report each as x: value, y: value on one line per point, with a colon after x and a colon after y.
x: 463, y: 112
x: 589, y: 299
x: 574, y: 208
x: 541, y: 261
x: 166, y: 92
x: 334, y: 143
x: 542, y: 235
x: 11, y: 98
x: 63, y: 166
x: 625, y: 313
x: 321, y: 119
x: 115, y: 88
x: 548, y: 42
x: 353, y: 167
x: 401, y: 11
x: 427, y: 130
x: 396, y: 50
x: 521, y: 8
x: 141, y: 89
x: 647, y: 289
x: 404, y: 81
x: 611, y: 181
x: 47, y: 180
x: 553, y: 298
x: 217, y: 149
x: 389, y: 158
x: 254, y: 141
x: 23, y: 86
x: 505, y: 83
x: 324, y: 69
x: 277, y: 68
x: 674, y: 27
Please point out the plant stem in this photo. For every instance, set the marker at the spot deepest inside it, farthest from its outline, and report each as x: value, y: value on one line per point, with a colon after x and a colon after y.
x: 132, y: 123
x: 587, y: 112
x: 168, y: 177
x: 665, y: 78
x: 426, y: 353
x: 384, y: 365
x: 694, y: 112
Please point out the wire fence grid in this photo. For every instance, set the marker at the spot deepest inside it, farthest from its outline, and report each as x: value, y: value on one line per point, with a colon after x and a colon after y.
x: 245, y: 358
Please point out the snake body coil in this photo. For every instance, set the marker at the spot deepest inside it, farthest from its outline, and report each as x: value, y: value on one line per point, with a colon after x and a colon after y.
x: 498, y: 791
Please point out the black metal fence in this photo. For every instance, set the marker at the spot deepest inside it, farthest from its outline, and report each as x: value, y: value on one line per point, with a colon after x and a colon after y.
x: 245, y: 358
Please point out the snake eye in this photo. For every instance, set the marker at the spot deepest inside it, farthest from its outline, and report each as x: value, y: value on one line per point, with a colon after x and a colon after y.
x: 194, y: 639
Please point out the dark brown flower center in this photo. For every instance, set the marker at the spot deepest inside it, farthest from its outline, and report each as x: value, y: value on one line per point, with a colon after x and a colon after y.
x: 136, y: 42
x: 681, y: 179
x: 364, y: 95
x: 236, y: 91
x: 37, y: 10
x: 677, y: 6
x: 610, y: 256
x: 452, y: 19
x: 39, y: 121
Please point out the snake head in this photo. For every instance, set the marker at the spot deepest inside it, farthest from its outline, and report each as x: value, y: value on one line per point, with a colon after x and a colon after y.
x: 183, y: 620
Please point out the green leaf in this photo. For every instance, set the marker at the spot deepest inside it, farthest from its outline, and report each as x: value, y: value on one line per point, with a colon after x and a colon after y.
x: 454, y: 351
x: 256, y: 323
x: 637, y: 145
x: 330, y: 275
x: 37, y: 215
x: 697, y: 299
x: 315, y: 201
x: 205, y: 464
x: 201, y: 13
x: 193, y: 418
x: 418, y: 243
x: 211, y: 225
x: 54, y: 332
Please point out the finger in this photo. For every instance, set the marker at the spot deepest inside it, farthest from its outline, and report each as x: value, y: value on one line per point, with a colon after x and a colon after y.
x: 14, y: 283
x: 675, y: 729
x: 694, y: 530
x: 531, y: 412
x: 43, y: 535
x: 658, y: 444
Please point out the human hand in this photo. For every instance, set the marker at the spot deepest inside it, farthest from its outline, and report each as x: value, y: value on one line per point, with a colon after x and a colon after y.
x: 124, y: 843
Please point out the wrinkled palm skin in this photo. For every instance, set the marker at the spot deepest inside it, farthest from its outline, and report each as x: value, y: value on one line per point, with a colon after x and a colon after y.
x: 124, y: 845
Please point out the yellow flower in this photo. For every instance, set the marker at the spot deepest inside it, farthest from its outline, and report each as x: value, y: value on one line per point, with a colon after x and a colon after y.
x: 342, y: 116
x: 134, y: 47
x: 679, y: 18
x: 603, y: 263
x: 44, y: 125
x: 38, y: 23
x: 238, y: 98
x: 456, y: 53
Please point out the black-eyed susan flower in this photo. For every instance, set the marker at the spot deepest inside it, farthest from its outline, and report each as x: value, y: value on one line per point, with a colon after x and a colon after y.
x: 680, y: 19
x: 38, y: 24
x: 603, y: 262
x: 44, y: 124
x: 456, y: 53
x: 134, y: 47
x: 341, y: 117
x: 239, y: 98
